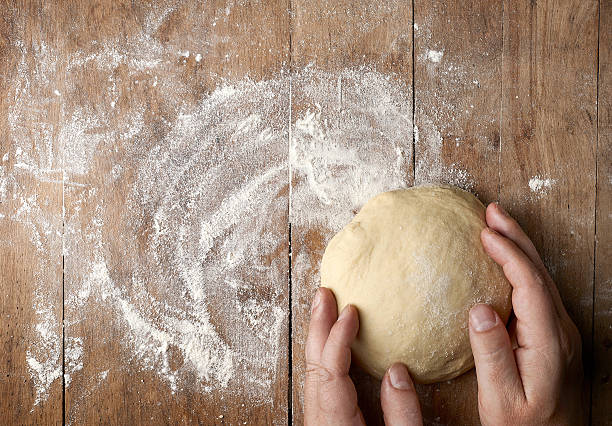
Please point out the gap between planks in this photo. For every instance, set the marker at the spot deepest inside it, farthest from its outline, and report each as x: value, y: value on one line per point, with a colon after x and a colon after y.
x: 593, y: 342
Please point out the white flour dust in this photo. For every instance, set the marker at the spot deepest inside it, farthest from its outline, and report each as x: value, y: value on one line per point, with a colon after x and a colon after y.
x: 188, y: 263
x: 428, y: 166
x: 435, y: 55
x: 450, y: 115
x: 540, y: 185
x: 73, y: 357
x: 353, y: 140
x: 212, y: 191
x: 33, y: 155
x: 44, y: 358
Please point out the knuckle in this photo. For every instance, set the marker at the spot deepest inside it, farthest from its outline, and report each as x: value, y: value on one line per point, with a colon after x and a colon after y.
x: 400, y: 412
x: 493, y: 355
x: 311, y: 368
x: 542, y: 413
x: 538, y: 279
x: 506, y: 406
x: 320, y: 373
x: 494, y: 413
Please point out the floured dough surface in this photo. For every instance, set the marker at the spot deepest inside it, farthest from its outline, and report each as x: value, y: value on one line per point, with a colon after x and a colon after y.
x: 412, y: 263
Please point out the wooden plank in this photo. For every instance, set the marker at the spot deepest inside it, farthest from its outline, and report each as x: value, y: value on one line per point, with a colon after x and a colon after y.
x: 457, y: 74
x: 602, y: 303
x: 176, y: 212
x: 352, y: 126
x: 548, y: 141
x: 30, y: 226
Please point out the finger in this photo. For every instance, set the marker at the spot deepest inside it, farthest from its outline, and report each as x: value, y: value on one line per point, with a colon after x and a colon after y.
x: 500, y: 221
x: 336, y: 393
x: 496, y: 371
x: 531, y: 300
x: 398, y: 397
x: 323, y: 316
x: 336, y: 356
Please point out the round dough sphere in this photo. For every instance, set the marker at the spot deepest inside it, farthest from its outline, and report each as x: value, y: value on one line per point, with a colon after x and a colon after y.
x: 412, y: 263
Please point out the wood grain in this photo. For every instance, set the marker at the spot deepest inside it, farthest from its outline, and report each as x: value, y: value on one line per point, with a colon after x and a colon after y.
x: 248, y: 39
x: 331, y: 36
x: 549, y: 132
x: 602, y: 303
x: 457, y: 114
x: 509, y: 88
x: 30, y: 232
x: 458, y: 92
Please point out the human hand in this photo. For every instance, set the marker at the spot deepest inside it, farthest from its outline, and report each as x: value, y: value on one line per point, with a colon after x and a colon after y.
x: 329, y: 393
x: 539, y: 382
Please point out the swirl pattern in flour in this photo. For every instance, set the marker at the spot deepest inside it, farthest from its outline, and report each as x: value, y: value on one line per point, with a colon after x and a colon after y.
x: 214, y: 192
x: 180, y: 236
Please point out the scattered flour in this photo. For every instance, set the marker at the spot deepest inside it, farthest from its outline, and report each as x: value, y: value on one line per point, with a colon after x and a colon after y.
x: 448, y: 110
x: 190, y: 264
x: 541, y: 186
x: 435, y: 55
x: 44, y: 358
x: 196, y: 262
x: 428, y: 167
x: 348, y: 144
x: 73, y: 357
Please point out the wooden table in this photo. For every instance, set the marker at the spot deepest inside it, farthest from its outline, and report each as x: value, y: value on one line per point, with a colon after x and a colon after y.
x: 170, y: 173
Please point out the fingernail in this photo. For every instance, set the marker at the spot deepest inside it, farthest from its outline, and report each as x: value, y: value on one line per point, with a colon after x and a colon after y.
x: 501, y: 210
x: 399, y: 376
x: 344, y: 313
x: 316, y: 301
x: 482, y: 318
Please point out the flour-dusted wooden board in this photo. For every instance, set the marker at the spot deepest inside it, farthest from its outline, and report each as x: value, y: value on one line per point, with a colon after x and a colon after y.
x: 156, y: 159
x: 550, y: 128
x: 548, y: 178
x: 189, y: 209
x: 351, y: 138
x: 30, y: 233
x: 457, y: 86
x: 173, y: 163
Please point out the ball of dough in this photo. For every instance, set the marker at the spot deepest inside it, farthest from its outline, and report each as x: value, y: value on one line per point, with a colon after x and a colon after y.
x: 412, y: 263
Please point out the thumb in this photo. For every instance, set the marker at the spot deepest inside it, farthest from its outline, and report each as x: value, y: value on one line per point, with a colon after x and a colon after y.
x: 496, y: 371
x: 399, y: 399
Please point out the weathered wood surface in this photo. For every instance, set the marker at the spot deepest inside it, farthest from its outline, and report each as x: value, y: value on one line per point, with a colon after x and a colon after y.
x: 334, y: 36
x: 602, y: 303
x: 246, y: 39
x: 30, y: 239
x: 115, y: 79
x: 506, y: 103
x: 549, y: 135
x: 457, y: 86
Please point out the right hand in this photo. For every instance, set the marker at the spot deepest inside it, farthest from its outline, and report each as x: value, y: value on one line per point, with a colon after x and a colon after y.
x: 538, y: 382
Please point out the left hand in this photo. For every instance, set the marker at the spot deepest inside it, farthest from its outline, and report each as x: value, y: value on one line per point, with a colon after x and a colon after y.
x: 329, y: 393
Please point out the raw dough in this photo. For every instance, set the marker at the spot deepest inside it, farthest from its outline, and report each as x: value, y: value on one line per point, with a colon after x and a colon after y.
x: 412, y: 263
